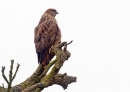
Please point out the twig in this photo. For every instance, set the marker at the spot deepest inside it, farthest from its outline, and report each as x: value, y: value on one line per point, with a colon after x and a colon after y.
x: 16, y: 71
x: 3, y: 74
x: 65, y: 45
x: 70, y: 42
x: 11, y: 76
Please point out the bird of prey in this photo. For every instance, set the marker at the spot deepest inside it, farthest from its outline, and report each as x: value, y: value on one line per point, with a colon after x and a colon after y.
x: 46, y: 34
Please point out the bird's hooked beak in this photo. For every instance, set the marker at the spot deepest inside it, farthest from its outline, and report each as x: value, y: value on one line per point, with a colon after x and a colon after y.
x: 57, y: 12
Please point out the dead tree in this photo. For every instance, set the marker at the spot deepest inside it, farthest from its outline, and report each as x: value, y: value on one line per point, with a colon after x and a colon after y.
x: 40, y: 79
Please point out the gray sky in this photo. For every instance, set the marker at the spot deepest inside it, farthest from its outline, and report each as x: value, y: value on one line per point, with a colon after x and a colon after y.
x: 100, y: 30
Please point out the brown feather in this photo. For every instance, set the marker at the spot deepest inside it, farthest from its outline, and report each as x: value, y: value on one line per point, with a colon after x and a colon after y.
x: 46, y: 35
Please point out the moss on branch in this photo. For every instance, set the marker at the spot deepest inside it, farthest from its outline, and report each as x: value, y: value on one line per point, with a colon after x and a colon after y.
x: 40, y: 79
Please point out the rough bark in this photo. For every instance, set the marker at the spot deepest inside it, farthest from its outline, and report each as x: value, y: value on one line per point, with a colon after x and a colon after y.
x: 40, y: 79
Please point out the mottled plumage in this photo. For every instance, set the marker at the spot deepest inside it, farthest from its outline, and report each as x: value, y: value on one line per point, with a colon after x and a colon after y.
x: 46, y: 35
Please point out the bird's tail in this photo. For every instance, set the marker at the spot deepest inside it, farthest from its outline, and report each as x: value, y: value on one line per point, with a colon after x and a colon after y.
x: 43, y: 58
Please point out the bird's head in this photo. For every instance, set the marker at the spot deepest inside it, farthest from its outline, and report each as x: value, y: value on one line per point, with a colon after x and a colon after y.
x: 51, y: 11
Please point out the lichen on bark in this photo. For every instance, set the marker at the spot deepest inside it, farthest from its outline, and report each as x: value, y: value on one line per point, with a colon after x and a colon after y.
x: 40, y: 79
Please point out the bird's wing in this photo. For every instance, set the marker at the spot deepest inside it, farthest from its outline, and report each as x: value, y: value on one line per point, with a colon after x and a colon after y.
x: 44, y: 37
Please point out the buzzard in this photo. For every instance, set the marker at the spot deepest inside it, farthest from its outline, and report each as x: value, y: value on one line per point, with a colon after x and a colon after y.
x: 46, y: 34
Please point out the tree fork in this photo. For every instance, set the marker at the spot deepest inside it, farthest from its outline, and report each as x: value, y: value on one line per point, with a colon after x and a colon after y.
x: 39, y: 80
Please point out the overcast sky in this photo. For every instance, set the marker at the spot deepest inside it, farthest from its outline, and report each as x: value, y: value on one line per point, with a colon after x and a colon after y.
x: 100, y: 30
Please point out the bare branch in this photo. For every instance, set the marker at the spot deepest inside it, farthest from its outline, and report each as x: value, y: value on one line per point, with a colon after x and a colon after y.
x: 65, y: 45
x: 11, y: 69
x: 47, y: 68
x: 40, y: 79
x: 33, y: 87
x: 15, y: 71
x: 60, y: 79
x: 64, y: 80
x: 3, y: 74
x: 11, y: 77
